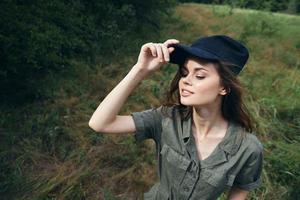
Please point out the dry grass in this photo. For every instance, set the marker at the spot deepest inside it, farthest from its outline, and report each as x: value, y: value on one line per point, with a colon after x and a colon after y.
x: 82, y: 164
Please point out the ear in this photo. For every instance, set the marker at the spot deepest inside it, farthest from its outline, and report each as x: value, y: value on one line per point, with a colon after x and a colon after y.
x: 223, y: 91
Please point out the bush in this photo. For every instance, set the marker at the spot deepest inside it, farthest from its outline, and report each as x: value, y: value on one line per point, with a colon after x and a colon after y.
x: 40, y: 38
x: 291, y: 6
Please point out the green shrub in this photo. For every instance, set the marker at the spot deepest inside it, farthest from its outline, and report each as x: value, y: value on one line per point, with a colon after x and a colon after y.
x: 259, y: 24
x: 39, y: 39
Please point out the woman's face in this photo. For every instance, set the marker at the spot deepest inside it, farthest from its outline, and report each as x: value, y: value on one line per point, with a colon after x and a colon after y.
x: 200, y: 84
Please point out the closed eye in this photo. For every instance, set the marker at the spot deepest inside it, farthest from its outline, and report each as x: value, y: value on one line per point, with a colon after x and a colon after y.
x: 184, y: 73
x: 200, y: 77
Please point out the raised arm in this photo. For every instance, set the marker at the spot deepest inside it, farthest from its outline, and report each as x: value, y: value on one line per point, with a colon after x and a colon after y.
x: 105, y: 119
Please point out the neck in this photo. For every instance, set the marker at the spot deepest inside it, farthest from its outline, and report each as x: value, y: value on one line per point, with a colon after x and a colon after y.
x: 207, y: 120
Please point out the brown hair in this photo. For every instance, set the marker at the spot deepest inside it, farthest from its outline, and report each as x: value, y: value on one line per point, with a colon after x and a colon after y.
x: 233, y: 107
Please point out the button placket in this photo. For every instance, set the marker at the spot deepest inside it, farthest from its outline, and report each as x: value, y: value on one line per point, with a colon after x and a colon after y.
x: 177, y: 163
x: 189, y: 182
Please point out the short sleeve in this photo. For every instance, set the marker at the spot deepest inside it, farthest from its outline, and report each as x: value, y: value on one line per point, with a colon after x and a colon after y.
x: 249, y: 177
x: 148, y: 124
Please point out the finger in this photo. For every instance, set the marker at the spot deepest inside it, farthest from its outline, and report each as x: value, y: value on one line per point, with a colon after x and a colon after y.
x: 165, y: 52
x: 171, y: 41
x: 153, y: 50
x: 171, y: 49
x: 159, y: 52
x: 149, y: 46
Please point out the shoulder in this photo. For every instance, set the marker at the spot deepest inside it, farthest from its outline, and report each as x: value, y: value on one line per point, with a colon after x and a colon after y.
x: 252, y: 143
x: 169, y: 111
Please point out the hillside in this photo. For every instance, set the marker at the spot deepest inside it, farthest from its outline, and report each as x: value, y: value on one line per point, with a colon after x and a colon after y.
x: 49, y: 152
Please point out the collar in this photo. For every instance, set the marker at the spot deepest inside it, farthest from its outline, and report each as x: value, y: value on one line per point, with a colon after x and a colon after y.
x: 229, y: 144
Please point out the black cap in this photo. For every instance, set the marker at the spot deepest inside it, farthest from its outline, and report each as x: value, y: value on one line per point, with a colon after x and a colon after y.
x: 216, y: 47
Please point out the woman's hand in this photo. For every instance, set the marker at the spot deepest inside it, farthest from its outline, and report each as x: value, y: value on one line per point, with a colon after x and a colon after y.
x: 153, y: 55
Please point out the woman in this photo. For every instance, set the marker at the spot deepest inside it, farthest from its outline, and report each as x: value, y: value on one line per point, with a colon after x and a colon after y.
x: 203, y: 131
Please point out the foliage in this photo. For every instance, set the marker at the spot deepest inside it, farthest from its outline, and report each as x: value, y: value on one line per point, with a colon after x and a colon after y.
x: 48, y: 151
x: 39, y: 39
x: 291, y: 6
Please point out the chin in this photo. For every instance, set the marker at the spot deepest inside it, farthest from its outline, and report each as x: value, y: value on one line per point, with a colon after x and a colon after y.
x: 192, y: 102
x: 187, y: 103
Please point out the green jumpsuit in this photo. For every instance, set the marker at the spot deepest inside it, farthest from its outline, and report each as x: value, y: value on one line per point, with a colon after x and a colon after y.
x: 236, y: 160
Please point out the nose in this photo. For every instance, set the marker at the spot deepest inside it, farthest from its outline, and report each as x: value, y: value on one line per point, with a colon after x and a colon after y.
x: 186, y: 80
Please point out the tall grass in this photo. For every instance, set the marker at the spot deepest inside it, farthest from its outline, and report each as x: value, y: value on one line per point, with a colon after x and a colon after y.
x: 49, y: 152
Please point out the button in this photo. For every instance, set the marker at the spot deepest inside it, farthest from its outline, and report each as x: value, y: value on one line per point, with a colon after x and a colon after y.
x: 185, y: 188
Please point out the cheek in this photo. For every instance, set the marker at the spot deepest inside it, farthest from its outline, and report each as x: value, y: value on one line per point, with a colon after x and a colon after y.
x: 210, y: 88
x: 209, y: 83
x: 180, y: 84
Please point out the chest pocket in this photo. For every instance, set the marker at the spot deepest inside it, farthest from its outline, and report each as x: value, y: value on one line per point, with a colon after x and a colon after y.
x: 218, y: 179
x: 175, y: 164
x: 156, y: 193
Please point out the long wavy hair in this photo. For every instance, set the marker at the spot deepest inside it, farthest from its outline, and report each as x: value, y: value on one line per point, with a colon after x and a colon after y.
x: 233, y: 107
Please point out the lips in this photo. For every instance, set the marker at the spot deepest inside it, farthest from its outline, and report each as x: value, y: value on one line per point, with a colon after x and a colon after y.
x: 186, y: 92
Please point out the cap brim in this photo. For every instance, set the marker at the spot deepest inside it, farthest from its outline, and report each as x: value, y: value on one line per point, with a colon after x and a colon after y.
x: 181, y: 52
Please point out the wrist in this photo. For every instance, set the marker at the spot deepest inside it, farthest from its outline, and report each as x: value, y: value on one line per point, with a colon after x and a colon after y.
x: 141, y: 70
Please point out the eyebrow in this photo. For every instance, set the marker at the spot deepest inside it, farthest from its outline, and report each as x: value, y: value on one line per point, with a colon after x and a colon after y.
x: 196, y: 69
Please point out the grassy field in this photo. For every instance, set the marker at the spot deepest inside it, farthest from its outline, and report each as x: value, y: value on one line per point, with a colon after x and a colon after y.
x: 49, y: 152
